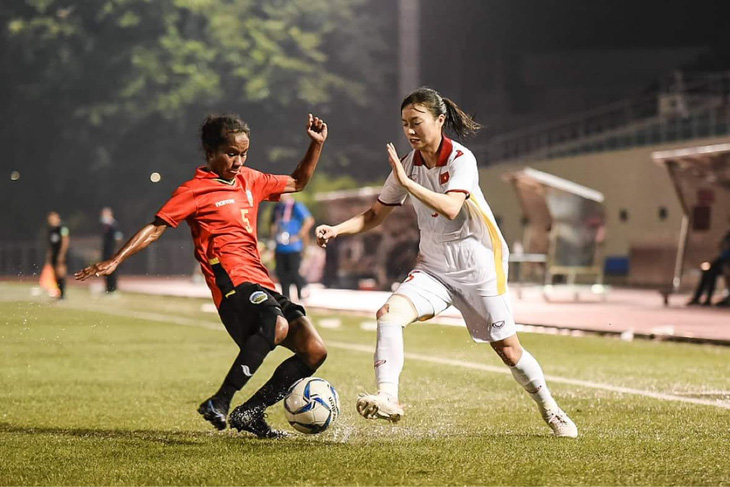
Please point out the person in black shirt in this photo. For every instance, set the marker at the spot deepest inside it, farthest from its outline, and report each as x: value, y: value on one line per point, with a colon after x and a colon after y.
x: 57, y: 250
x: 707, y: 283
x: 110, y: 238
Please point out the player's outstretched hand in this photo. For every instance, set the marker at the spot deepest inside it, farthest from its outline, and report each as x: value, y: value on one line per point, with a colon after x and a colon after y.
x: 316, y: 129
x: 324, y: 233
x: 397, y: 166
x: 99, y: 269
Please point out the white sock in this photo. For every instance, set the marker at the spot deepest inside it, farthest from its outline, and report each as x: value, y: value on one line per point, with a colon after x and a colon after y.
x: 388, y: 357
x: 528, y: 374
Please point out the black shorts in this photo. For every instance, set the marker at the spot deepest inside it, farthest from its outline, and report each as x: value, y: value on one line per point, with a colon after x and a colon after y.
x: 245, y: 311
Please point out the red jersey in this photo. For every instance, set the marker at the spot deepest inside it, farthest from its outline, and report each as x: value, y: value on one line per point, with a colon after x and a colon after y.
x: 222, y: 219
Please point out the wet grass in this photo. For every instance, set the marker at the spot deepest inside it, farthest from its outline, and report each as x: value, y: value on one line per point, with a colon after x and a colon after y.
x: 104, y: 392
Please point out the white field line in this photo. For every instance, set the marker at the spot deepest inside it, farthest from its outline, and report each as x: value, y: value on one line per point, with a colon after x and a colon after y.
x: 163, y: 318
x: 550, y: 378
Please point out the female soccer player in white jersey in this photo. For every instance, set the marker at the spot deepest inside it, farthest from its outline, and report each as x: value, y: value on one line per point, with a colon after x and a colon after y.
x: 462, y: 258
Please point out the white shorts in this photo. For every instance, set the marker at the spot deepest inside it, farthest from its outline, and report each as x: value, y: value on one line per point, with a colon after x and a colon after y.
x: 488, y: 318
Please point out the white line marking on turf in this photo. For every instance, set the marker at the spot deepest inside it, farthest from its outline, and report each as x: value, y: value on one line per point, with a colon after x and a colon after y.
x: 550, y: 378
x: 145, y: 315
x: 416, y: 356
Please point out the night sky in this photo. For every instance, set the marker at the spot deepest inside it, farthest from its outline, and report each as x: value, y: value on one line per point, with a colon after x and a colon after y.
x: 517, y: 62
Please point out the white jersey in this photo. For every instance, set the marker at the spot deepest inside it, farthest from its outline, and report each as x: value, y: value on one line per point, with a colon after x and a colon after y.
x: 443, y: 239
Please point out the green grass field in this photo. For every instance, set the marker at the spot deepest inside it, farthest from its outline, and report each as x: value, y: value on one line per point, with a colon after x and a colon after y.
x: 101, y: 391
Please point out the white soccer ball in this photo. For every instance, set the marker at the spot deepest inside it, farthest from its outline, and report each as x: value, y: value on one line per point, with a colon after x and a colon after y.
x: 311, y: 405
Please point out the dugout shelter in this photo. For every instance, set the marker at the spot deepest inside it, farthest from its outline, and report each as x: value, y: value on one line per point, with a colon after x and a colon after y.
x: 701, y: 179
x: 565, y: 223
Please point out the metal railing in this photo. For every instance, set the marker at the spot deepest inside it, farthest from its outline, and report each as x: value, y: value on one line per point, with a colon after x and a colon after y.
x: 680, y: 110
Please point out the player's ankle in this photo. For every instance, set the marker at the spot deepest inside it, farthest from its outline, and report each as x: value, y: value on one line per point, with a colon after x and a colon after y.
x: 550, y: 405
x: 226, y: 393
x: 389, y: 390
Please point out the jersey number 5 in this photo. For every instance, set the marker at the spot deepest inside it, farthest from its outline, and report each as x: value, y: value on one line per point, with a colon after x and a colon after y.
x: 246, y: 222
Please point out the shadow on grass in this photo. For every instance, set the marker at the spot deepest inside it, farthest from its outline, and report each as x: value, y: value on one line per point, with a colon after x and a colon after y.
x: 156, y: 436
x: 170, y: 438
x: 293, y: 442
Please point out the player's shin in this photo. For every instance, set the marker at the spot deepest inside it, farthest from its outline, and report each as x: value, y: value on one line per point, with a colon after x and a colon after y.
x: 528, y: 373
x: 286, y: 374
x: 388, y: 359
x: 252, y: 355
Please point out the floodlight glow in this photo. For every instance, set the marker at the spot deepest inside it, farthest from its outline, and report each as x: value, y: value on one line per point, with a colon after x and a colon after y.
x: 597, y: 289
x: 14, y: 176
x: 155, y: 177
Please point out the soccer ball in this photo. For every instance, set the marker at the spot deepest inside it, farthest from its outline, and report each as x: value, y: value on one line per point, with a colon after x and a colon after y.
x: 311, y: 405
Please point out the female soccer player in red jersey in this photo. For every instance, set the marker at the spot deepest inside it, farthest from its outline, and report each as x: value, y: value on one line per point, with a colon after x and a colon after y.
x: 220, y: 204
x: 462, y: 259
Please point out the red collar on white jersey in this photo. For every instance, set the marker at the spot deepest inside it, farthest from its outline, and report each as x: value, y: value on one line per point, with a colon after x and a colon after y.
x: 445, y: 148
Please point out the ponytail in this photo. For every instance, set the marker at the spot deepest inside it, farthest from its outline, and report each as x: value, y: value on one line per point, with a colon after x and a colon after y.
x: 459, y: 122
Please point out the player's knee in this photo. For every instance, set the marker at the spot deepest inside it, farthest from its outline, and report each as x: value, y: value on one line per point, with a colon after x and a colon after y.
x: 509, y: 353
x: 306, y: 342
x: 274, y: 327
x: 316, y: 353
x: 397, y: 311
x: 281, y: 330
x: 382, y: 311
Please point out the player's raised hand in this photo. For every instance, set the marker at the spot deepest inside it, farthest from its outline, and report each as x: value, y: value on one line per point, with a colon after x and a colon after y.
x: 397, y: 166
x: 99, y: 269
x: 316, y: 129
x: 324, y: 233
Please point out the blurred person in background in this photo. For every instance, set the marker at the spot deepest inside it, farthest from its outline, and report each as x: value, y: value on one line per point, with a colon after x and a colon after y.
x: 290, y: 225
x: 462, y: 259
x: 718, y: 267
x: 58, y: 241
x: 220, y: 205
x: 110, y: 238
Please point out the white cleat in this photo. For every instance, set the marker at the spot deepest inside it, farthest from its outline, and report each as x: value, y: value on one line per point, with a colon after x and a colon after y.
x: 560, y: 423
x: 379, y: 406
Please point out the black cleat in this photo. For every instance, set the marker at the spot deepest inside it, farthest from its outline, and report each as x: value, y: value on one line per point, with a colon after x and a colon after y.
x: 253, y: 420
x: 214, y: 411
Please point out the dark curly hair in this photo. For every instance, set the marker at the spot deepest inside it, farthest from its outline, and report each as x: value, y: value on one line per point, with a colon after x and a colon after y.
x: 217, y: 128
x: 457, y: 121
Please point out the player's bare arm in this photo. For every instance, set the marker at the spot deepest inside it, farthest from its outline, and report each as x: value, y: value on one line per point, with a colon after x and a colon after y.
x: 363, y: 222
x: 140, y: 240
x: 317, y: 132
x: 448, y: 205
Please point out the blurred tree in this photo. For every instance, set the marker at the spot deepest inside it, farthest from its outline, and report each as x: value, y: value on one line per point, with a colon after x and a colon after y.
x: 97, y: 94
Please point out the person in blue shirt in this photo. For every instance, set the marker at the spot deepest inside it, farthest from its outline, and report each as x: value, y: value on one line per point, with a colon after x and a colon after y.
x: 290, y: 225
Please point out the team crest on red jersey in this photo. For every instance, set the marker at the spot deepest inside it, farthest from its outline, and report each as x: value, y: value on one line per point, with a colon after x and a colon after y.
x: 444, y: 177
x: 249, y: 196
